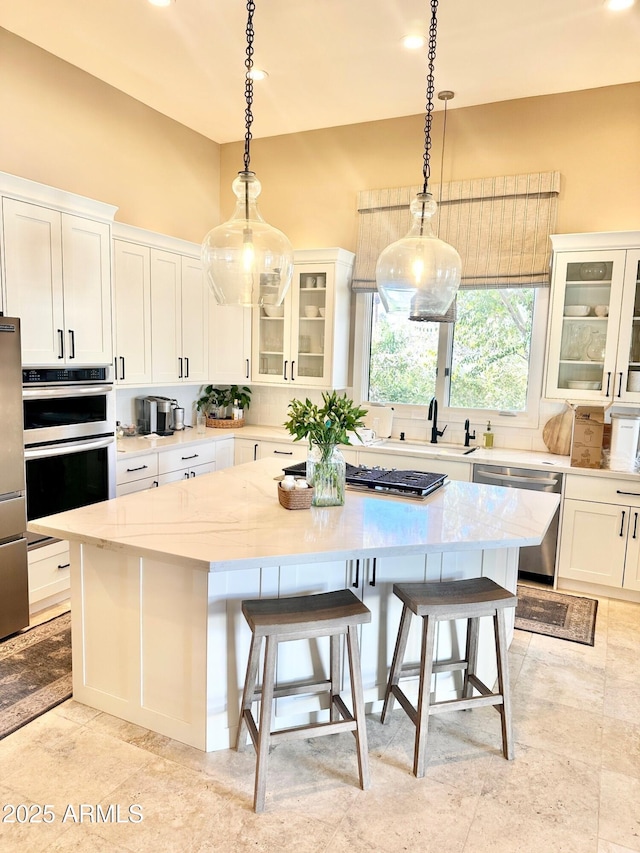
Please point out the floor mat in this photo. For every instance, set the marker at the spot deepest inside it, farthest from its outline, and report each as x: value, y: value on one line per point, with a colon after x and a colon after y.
x: 555, y: 614
x: 35, y: 672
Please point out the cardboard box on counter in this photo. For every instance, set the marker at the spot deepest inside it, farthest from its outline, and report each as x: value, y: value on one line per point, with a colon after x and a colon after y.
x: 587, y: 437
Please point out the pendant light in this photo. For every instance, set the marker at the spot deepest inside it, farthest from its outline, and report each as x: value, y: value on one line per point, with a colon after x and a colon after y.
x: 420, y: 274
x: 247, y: 261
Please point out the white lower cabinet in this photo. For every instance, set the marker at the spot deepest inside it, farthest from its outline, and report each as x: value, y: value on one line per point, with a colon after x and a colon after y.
x: 600, y: 537
x: 186, y: 462
x: 151, y: 470
x: 136, y: 474
x: 48, y: 574
x: 249, y: 450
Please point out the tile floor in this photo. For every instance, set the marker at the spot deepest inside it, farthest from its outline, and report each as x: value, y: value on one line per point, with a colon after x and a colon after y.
x: 574, y: 786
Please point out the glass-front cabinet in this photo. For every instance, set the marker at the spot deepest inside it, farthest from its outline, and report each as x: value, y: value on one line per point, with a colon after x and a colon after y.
x: 594, y: 322
x: 305, y: 340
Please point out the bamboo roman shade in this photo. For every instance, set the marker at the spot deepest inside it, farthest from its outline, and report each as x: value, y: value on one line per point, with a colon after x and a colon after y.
x: 500, y: 227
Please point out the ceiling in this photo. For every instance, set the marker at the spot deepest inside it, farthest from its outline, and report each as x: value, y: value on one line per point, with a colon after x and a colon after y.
x: 330, y: 62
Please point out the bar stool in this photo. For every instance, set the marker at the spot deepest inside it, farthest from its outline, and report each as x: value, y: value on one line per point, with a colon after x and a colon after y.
x: 437, y: 602
x: 302, y: 617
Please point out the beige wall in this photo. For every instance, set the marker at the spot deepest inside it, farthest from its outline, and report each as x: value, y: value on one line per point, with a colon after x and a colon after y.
x: 311, y: 180
x: 65, y: 128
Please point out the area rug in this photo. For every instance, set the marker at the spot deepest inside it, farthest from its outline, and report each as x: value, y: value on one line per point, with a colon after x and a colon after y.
x: 35, y: 672
x: 567, y: 617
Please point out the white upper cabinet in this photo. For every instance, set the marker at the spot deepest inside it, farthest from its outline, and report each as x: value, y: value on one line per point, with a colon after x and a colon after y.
x: 161, y: 309
x: 179, y: 319
x: 132, y: 297
x: 306, y: 341
x: 594, y: 323
x: 229, y: 344
x: 57, y: 279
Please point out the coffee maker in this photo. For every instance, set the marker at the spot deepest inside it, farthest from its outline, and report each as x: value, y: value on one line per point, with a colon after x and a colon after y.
x: 153, y: 415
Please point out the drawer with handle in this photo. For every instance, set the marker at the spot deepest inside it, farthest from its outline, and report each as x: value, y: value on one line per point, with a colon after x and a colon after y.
x: 136, y: 468
x: 610, y: 490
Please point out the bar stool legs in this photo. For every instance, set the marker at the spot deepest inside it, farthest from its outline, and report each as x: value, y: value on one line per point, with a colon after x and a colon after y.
x: 333, y: 614
x: 436, y: 602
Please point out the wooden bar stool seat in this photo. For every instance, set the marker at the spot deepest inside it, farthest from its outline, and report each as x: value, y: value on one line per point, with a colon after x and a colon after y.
x: 331, y: 614
x: 437, y: 602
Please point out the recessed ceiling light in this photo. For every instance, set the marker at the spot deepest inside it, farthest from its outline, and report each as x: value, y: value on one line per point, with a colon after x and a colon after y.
x: 161, y: 2
x: 414, y: 42
x: 258, y: 74
x: 618, y: 5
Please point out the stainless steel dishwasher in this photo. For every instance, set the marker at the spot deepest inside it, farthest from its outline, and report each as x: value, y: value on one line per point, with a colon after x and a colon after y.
x: 537, y: 562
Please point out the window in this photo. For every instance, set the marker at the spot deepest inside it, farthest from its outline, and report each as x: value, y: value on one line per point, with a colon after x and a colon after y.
x: 489, y: 361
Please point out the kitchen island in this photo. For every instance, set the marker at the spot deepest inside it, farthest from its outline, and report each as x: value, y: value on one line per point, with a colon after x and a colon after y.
x: 158, y: 577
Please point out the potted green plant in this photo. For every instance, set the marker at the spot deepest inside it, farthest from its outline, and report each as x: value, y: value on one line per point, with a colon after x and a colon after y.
x: 216, y: 403
x: 325, y: 426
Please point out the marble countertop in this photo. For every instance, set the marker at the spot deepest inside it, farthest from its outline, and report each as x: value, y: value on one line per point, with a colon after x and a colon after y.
x: 232, y: 519
x: 534, y: 459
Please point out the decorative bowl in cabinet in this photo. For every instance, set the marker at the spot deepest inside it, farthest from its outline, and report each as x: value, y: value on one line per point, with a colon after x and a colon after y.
x: 274, y: 310
x: 577, y: 310
x: 583, y: 385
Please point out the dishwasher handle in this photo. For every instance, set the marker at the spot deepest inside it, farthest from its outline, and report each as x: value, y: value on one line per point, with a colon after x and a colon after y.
x: 515, y: 478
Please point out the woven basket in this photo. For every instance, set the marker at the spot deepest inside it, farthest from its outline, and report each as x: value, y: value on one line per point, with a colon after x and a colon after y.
x: 295, y: 498
x: 225, y: 423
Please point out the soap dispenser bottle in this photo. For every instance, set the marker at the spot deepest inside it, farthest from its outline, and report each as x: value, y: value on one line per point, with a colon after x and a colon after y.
x: 488, y: 436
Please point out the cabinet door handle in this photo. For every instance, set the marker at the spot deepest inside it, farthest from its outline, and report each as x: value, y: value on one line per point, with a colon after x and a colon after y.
x: 255, y: 452
x: 247, y: 372
x: 632, y: 494
x: 285, y: 370
x: 186, y: 361
x: 155, y: 484
x: 139, y: 468
x: 622, y: 523
x: 72, y: 343
x: 63, y: 565
x: 283, y: 452
x: 356, y: 583
x: 122, y: 366
x: 180, y: 371
x: 635, y: 525
x: 620, y: 385
x: 372, y: 582
x: 192, y: 474
x: 293, y: 379
x: 608, y: 383
x: 193, y: 456
x: 60, y: 343
x: 186, y: 475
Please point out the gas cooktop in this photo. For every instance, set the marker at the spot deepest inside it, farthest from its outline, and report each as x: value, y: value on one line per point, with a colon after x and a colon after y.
x: 408, y: 484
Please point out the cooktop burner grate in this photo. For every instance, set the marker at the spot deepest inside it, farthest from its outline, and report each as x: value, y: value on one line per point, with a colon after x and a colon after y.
x: 407, y: 483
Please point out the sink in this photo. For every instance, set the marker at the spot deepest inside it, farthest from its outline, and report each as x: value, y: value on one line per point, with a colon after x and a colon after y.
x: 442, y: 448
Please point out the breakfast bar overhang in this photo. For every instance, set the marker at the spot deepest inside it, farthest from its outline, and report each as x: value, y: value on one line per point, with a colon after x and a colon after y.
x: 158, y: 577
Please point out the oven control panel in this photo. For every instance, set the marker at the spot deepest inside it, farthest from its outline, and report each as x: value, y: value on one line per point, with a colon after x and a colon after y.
x: 63, y: 376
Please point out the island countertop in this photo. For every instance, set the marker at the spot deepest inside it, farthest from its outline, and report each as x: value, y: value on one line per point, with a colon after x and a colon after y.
x: 232, y: 519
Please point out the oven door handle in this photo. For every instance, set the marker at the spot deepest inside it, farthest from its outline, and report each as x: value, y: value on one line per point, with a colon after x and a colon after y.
x: 68, y: 447
x: 50, y: 393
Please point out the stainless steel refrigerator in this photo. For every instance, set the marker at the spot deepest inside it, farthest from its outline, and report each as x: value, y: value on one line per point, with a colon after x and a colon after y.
x: 14, y: 581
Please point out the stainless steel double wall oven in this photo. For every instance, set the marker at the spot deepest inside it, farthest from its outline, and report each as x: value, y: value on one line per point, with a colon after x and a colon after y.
x: 69, y: 439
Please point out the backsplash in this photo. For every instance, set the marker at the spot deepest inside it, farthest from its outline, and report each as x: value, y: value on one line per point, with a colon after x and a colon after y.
x: 269, y: 408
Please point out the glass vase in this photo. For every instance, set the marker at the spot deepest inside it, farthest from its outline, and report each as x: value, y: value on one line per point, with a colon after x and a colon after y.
x: 326, y: 472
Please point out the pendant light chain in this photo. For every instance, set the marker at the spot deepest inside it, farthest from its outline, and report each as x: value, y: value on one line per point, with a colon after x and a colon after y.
x: 248, y: 84
x: 433, y: 28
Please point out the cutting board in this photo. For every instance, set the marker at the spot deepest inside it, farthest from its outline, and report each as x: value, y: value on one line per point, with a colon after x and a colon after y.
x: 556, y: 433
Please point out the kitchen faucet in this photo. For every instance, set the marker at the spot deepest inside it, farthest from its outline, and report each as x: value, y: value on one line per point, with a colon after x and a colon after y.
x: 433, y: 416
x: 467, y: 434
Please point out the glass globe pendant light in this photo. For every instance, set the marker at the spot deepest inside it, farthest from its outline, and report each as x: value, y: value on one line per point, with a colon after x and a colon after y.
x: 247, y: 261
x: 420, y: 274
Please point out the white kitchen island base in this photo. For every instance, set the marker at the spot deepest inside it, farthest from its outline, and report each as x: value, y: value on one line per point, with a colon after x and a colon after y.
x: 158, y: 577
x: 165, y: 646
